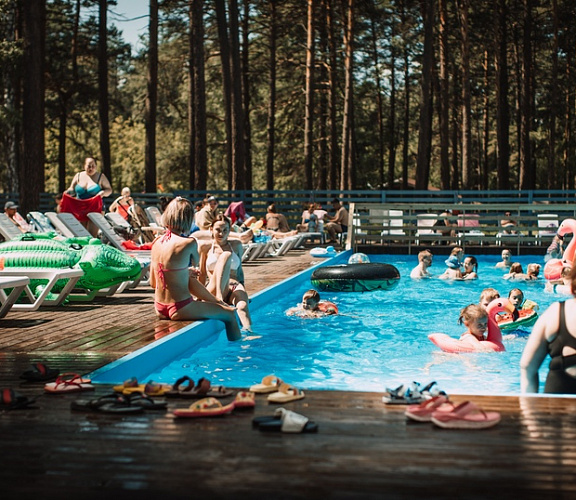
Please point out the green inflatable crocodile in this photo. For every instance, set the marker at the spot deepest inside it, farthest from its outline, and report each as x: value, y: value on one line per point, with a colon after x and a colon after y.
x: 103, y: 265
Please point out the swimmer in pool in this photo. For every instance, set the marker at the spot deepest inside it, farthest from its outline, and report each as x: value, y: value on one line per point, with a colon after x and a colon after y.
x: 178, y: 295
x: 475, y: 318
x: 487, y: 296
x: 221, y: 267
x: 424, y: 262
x: 313, y: 307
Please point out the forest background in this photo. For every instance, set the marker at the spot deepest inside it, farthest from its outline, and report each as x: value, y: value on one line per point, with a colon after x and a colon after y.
x: 290, y: 94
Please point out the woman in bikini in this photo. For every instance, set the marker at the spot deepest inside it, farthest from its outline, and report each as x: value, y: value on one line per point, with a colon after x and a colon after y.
x: 178, y: 293
x: 85, y: 194
x: 221, y: 260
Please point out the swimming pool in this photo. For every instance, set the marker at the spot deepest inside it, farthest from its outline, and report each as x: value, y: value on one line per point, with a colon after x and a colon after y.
x: 378, y: 340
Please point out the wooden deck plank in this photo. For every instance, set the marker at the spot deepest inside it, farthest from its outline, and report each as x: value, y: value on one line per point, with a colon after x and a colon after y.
x: 363, y: 449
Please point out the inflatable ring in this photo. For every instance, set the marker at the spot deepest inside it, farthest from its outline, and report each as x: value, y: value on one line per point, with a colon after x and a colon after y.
x: 323, y: 252
x: 527, y: 318
x: 356, y: 277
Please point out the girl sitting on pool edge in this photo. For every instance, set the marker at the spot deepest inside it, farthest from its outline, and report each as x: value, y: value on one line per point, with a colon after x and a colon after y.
x: 312, y: 306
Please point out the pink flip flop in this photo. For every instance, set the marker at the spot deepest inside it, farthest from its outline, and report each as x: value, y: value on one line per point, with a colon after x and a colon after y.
x: 466, y: 416
x: 423, y: 412
x: 69, y: 382
x: 207, y: 407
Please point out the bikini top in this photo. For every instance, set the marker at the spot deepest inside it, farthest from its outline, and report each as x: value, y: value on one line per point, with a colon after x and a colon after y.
x: 84, y: 193
x: 213, y: 258
x: 162, y: 270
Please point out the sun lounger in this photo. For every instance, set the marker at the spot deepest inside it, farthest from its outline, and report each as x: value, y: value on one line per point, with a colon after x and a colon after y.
x: 68, y: 225
x: 50, y: 274
x: 8, y: 229
x: 17, y: 284
x: 40, y: 223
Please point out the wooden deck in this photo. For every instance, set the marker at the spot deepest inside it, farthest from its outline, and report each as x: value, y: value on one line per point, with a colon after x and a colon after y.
x: 362, y: 450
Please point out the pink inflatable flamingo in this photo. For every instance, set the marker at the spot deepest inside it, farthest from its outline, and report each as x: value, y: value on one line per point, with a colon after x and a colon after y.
x: 553, y: 268
x: 493, y: 340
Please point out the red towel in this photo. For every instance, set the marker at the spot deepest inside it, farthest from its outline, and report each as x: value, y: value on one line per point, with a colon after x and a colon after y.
x: 130, y: 245
x: 80, y: 208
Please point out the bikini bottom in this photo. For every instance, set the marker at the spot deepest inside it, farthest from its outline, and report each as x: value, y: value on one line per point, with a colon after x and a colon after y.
x: 171, y: 309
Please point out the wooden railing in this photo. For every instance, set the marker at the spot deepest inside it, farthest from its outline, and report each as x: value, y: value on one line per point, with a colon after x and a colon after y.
x: 473, y: 224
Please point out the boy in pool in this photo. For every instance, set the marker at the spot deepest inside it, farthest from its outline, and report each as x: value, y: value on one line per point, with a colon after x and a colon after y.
x: 487, y: 296
x: 506, y: 260
x: 312, y: 306
x: 516, y: 298
x: 424, y: 262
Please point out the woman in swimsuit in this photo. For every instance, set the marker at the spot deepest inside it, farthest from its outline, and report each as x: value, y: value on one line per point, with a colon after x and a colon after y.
x: 554, y: 333
x: 175, y: 283
x: 85, y: 194
x: 221, y: 260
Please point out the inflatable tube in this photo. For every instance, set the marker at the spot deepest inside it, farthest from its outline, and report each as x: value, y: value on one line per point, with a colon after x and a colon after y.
x: 323, y: 253
x: 356, y: 277
x: 527, y: 318
x: 553, y: 268
x: 493, y: 342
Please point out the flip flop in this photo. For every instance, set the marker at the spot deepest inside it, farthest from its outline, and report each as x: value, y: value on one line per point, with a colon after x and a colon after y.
x: 40, y: 372
x: 270, y: 383
x: 151, y: 388
x: 207, y: 407
x: 68, y: 382
x: 466, y: 416
x: 111, y: 403
x: 11, y: 400
x: 203, y: 389
x: 285, y: 394
x: 289, y: 422
x: 423, y: 412
x: 141, y: 400
x: 245, y: 399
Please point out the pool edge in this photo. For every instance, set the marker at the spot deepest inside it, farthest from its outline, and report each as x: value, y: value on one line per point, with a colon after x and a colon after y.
x: 148, y: 359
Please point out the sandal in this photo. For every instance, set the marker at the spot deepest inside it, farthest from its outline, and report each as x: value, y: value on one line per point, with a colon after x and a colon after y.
x: 68, y: 382
x: 287, y: 421
x: 11, y: 400
x: 207, y: 407
x: 466, y: 416
x: 423, y: 412
x: 39, y: 372
x: 404, y: 395
x: 111, y: 403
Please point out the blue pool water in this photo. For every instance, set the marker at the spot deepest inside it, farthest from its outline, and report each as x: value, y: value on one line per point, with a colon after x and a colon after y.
x: 378, y: 340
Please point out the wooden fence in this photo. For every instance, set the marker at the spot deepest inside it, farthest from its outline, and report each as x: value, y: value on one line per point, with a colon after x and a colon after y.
x: 411, y: 224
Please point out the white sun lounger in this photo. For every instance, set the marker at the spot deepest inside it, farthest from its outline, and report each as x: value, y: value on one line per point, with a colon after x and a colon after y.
x: 52, y: 275
x: 17, y: 284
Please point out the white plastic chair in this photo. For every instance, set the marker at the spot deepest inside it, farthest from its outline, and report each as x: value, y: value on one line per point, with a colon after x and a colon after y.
x: 547, y: 227
x: 393, y: 223
x: 425, y: 227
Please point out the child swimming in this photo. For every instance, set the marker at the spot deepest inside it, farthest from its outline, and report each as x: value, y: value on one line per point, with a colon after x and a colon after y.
x: 312, y: 306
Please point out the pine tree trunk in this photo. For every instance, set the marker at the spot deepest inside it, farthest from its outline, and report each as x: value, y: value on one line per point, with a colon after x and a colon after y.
x: 484, y: 163
x: 103, y: 105
x: 347, y: 121
x: 238, y: 134
x: 526, y: 168
x: 309, y: 106
x: 332, y: 100
x: 151, y: 101
x: 392, y: 112
x: 197, y: 112
x: 322, y: 178
x: 554, y: 101
x: 467, y: 178
x: 502, y: 106
x: 271, y: 125
x: 32, y: 168
x: 246, y: 96
x: 444, y: 100
x: 426, y: 104
x: 407, y: 97
x: 379, y: 108
x: 226, y: 81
